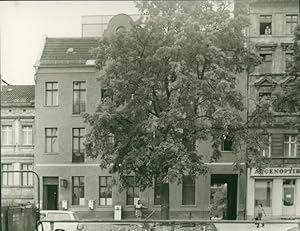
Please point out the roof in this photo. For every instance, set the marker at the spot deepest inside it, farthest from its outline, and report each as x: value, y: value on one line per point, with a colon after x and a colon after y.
x: 17, y: 94
x: 62, y: 51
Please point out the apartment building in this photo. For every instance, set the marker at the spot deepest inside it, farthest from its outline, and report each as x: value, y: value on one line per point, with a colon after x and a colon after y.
x: 271, y: 35
x: 66, y: 87
x: 17, y: 143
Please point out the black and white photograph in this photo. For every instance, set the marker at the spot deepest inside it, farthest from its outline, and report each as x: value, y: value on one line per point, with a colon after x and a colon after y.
x: 150, y: 115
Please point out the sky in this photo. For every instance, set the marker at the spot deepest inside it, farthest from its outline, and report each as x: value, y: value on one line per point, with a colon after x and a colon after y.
x: 23, y: 24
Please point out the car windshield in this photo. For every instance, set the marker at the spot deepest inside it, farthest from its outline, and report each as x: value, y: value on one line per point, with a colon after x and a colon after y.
x: 59, y: 216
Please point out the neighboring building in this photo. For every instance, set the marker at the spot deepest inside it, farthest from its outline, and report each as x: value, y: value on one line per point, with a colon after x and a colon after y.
x: 273, y: 23
x: 97, y: 25
x: 17, y: 143
x: 66, y: 86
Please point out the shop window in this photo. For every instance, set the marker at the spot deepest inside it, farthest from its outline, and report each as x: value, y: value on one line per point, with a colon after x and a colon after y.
x: 265, y: 25
x: 263, y: 192
x: 77, y: 145
x: 79, y: 97
x: 291, y: 23
x: 78, y: 190
x: 105, y: 190
x: 290, y: 145
x: 266, y: 66
x: 227, y: 143
x: 188, y: 190
x: 27, y: 177
x: 132, y: 192
x: 51, y: 94
x: 156, y: 192
x: 289, y: 192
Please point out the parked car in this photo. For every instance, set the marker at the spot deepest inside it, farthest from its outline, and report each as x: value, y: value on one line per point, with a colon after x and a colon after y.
x: 59, y: 215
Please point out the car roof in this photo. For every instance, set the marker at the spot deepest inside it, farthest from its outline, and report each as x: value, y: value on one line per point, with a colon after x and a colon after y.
x: 56, y: 211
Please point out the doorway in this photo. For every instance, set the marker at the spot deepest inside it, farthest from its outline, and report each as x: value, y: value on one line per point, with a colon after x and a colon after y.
x: 223, y: 196
x: 50, y: 193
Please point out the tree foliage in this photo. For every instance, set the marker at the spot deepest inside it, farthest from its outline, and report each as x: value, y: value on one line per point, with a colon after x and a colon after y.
x: 287, y: 100
x: 171, y: 81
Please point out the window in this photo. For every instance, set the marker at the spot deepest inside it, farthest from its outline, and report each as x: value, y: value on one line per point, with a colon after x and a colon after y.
x: 262, y: 95
x: 106, y: 94
x: 263, y: 192
x: 7, y: 135
x: 265, y: 27
x: 156, y: 192
x: 132, y: 192
x: 188, y: 190
x: 291, y: 23
x: 290, y: 145
x: 51, y: 140
x: 266, y: 152
x: 226, y: 144
x: 7, y: 177
x: 51, y: 98
x: 77, y: 145
x: 27, y: 177
x: 289, y: 59
x: 79, y: 97
x: 78, y: 190
x: 105, y: 190
x: 27, y: 135
x: 289, y: 192
x: 266, y: 66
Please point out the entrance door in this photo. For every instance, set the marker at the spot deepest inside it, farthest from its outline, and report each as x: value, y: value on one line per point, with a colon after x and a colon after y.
x: 50, y: 193
x: 288, y: 197
x: 223, y: 202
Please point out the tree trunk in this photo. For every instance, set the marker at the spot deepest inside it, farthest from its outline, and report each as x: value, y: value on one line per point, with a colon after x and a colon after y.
x: 164, y: 199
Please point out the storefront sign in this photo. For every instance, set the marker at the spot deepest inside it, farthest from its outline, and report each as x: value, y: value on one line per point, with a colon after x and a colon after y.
x: 275, y: 172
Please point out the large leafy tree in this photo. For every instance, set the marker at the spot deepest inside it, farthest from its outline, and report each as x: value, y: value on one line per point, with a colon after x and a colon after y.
x: 288, y: 99
x: 171, y: 82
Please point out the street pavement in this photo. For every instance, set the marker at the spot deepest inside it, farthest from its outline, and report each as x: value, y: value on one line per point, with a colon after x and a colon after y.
x: 252, y: 227
x: 220, y: 227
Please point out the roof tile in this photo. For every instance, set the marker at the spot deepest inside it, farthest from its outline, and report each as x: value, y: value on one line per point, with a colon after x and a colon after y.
x: 18, y: 94
x: 67, y: 50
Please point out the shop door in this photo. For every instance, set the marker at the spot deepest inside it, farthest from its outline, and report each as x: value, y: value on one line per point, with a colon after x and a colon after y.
x: 223, y: 198
x: 288, y: 198
x: 50, y: 193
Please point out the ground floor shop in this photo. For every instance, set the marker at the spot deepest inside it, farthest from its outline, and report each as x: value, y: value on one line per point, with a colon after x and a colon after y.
x: 277, y: 189
x: 94, y: 193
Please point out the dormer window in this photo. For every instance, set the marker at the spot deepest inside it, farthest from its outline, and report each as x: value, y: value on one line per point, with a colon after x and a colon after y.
x: 265, y: 25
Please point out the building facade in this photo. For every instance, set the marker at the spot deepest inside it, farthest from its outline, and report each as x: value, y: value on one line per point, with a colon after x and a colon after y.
x: 17, y: 143
x: 271, y: 35
x: 66, y: 87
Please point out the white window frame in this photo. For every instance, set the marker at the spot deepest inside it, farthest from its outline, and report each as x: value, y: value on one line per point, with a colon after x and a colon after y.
x: 27, y: 177
x: 290, y: 143
x: 50, y: 87
x: 26, y: 133
x: 7, y: 177
x: 268, y: 153
x: 7, y: 134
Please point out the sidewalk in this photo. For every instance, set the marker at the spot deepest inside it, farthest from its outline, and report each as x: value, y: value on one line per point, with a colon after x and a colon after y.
x: 252, y: 227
